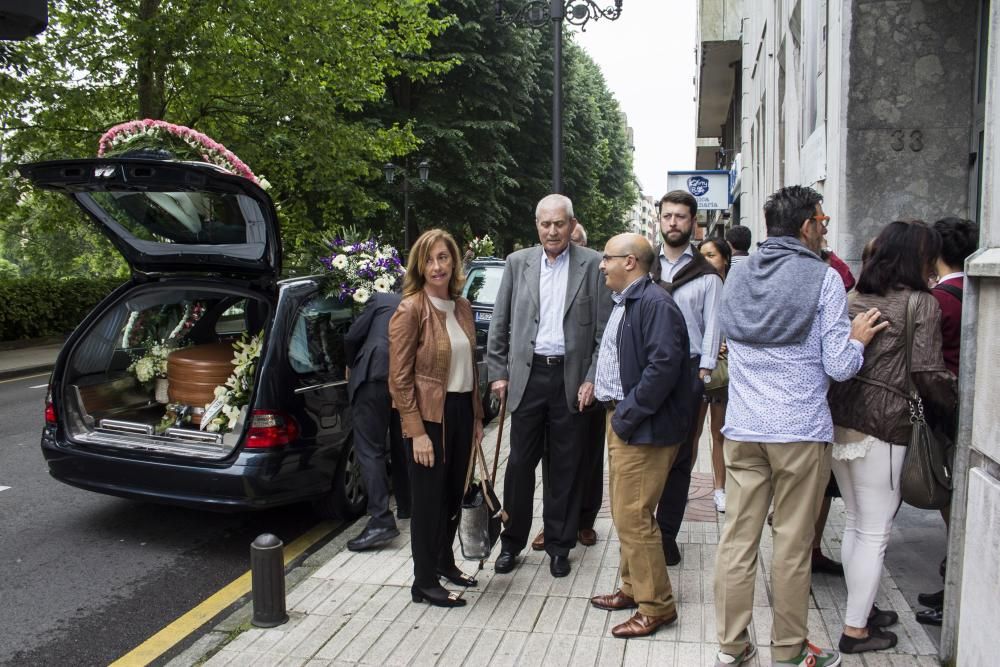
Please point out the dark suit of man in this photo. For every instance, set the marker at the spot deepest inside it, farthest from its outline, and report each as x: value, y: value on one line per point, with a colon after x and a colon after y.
x: 542, y: 392
x: 367, y: 347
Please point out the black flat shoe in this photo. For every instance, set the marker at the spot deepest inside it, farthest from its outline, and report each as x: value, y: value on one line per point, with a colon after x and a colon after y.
x: 439, y: 597
x: 559, y: 566
x: 930, y: 616
x: 505, y: 562
x: 877, y: 640
x: 932, y: 600
x: 457, y: 577
x: 882, y: 618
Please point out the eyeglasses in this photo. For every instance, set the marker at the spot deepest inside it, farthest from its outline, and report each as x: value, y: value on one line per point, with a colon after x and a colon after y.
x: 822, y: 219
x: 607, y: 257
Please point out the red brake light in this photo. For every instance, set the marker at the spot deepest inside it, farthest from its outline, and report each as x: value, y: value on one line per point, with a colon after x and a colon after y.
x: 269, y: 428
x: 51, y: 418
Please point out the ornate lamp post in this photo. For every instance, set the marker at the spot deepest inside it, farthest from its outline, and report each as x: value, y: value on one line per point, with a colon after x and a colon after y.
x: 423, y: 172
x: 536, y: 13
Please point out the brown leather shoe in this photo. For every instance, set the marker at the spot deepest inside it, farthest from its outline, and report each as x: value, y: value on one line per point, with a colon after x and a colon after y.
x: 641, y: 625
x: 613, y: 602
x: 587, y: 537
x: 538, y: 544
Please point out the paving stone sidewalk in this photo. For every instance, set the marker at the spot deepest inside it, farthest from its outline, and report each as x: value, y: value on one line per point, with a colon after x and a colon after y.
x: 352, y: 608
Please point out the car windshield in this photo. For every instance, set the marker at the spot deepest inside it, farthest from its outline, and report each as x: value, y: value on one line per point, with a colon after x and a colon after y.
x: 483, y: 283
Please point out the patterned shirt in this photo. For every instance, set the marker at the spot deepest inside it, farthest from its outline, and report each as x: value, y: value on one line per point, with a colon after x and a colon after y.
x: 552, y: 280
x: 699, y: 302
x: 608, y: 382
x: 778, y: 393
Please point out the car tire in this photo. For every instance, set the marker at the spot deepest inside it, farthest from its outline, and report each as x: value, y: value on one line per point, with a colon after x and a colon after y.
x: 346, y: 500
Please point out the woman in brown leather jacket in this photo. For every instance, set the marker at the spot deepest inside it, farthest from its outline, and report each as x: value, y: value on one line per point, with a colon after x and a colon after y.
x: 433, y: 383
x: 871, y: 416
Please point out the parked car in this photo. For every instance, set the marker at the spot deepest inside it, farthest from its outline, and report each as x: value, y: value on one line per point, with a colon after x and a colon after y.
x: 481, y: 286
x: 204, y: 250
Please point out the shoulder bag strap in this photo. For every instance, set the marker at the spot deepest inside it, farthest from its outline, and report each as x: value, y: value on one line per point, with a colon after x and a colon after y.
x: 916, y: 403
x: 952, y: 290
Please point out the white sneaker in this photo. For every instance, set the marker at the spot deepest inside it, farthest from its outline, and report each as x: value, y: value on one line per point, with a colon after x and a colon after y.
x: 720, y: 501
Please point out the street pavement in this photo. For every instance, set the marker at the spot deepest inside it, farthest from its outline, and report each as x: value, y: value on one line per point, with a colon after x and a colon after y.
x: 351, y: 608
x: 354, y: 608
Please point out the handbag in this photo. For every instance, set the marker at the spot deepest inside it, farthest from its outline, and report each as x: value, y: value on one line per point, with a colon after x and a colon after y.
x: 925, y: 481
x: 482, y: 517
x: 720, y: 375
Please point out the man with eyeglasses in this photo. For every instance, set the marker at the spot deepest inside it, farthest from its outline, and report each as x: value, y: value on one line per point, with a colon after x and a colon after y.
x: 549, y: 313
x: 784, y: 317
x: 642, y: 373
x: 696, y: 287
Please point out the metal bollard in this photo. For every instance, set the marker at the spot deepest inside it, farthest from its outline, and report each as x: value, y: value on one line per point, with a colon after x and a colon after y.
x: 267, y: 576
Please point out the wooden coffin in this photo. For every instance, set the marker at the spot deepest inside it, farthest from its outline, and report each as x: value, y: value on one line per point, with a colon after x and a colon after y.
x: 195, y: 372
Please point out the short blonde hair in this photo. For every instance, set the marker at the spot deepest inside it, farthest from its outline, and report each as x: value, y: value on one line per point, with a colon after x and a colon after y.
x: 414, y: 279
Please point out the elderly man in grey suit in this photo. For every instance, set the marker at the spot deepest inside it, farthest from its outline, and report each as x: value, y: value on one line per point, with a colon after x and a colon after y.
x: 544, y: 338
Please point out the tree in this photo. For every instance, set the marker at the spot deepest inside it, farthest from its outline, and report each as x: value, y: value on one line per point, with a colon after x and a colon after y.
x: 281, y: 84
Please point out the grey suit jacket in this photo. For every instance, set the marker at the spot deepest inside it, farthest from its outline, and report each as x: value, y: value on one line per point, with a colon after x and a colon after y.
x: 515, y: 321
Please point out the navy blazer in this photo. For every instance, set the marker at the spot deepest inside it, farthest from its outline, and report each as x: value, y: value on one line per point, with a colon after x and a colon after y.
x: 656, y: 373
x: 367, y: 342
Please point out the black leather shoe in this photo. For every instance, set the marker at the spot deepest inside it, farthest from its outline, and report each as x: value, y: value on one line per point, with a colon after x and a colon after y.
x: 671, y: 551
x: 372, y: 537
x: 932, y: 600
x: 930, y: 616
x: 559, y: 566
x: 505, y: 562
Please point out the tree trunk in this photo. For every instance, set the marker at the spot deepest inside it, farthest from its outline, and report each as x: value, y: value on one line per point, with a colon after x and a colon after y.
x: 148, y: 63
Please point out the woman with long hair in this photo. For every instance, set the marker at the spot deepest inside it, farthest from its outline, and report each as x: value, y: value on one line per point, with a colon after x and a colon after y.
x: 719, y: 255
x: 871, y: 415
x: 434, y: 385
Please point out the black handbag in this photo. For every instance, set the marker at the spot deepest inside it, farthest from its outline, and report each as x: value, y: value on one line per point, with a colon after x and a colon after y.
x: 925, y: 481
x: 482, y: 517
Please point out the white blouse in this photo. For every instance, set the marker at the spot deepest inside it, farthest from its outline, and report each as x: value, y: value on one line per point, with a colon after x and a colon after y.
x: 460, y: 369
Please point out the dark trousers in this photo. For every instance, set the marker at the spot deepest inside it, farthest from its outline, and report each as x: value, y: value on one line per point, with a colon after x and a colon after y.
x: 543, y: 417
x: 437, y: 490
x: 373, y: 416
x: 592, y: 436
x: 673, y: 500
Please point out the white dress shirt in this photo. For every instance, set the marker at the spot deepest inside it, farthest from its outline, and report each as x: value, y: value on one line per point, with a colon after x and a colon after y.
x: 552, y: 280
x: 699, y: 302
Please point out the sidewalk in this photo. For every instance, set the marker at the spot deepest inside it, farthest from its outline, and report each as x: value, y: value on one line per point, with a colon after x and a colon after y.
x: 351, y: 608
x: 28, y: 360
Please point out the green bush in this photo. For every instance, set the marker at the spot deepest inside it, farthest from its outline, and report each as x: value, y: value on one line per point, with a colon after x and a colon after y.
x: 43, y: 307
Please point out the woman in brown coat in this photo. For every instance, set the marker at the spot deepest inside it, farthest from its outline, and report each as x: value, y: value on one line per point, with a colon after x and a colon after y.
x: 871, y: 416
x: 434, y: 385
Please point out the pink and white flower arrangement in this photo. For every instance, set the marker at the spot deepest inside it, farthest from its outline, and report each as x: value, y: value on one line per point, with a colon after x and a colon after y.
x: 119, y: 136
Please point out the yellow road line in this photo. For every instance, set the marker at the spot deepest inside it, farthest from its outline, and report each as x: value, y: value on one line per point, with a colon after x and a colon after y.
x: 24, y: 377
x: 170, y: 636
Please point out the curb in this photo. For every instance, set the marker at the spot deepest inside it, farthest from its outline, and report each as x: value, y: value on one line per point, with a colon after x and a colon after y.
x: 30, y: 370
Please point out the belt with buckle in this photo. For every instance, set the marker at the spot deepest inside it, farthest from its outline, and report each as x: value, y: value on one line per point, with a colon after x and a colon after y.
x: 547, y: 361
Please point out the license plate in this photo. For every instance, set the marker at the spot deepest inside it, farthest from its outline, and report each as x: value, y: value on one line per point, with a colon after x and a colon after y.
x: 484, y: 317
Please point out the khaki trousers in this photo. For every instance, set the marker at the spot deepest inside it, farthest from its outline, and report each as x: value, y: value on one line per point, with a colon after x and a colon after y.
x: 795, y: 474
x: 636, y: 477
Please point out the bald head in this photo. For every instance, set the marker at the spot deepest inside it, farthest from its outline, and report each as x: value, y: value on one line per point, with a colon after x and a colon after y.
x: 635, y: 245
x: 627, y: 257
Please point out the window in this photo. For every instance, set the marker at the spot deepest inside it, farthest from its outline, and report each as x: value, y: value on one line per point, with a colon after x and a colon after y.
x: 483, y: 283
x: 317, y: 343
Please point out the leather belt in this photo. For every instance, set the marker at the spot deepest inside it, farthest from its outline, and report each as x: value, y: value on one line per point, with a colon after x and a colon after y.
x: 547, y: 361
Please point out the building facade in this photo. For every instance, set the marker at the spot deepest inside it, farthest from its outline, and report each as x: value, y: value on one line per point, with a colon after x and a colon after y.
x: 884, y: 107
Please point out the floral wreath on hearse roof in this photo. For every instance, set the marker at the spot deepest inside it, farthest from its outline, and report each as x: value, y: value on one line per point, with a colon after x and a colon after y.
x: 181, y: 141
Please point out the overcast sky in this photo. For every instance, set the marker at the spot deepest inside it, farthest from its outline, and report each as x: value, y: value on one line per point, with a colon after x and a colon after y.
x: 648, y: 59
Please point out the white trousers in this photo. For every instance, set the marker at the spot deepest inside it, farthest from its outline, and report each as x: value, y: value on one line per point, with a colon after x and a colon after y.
x: 871, y: 501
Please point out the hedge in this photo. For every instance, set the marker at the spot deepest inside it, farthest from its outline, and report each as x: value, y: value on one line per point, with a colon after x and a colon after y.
x: 44, y: 307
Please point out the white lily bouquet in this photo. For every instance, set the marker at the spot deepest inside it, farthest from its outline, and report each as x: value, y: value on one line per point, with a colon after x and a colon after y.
x: 357, y: 270
x: 222, y: 414
x: 482, y: 247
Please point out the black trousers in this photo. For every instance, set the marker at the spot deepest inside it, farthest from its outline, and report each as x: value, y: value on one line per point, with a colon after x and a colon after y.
x: 543, y: 418
x: 437, y: 490
x: 673, y: 500
x: 592, y: 440
x: 373, y: 416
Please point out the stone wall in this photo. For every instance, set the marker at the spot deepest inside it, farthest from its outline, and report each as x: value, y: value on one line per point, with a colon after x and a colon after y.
x: 912, y: 68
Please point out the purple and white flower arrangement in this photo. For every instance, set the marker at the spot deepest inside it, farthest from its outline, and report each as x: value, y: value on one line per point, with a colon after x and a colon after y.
x: 358, y: 270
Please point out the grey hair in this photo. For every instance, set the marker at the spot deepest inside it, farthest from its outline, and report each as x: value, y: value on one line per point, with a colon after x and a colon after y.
x: 583, y: 232
x: 550, y: 200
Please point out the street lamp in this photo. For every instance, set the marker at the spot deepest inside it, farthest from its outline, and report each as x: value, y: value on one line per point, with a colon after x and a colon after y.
x: 423, y: 173
x: 536, y: 13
